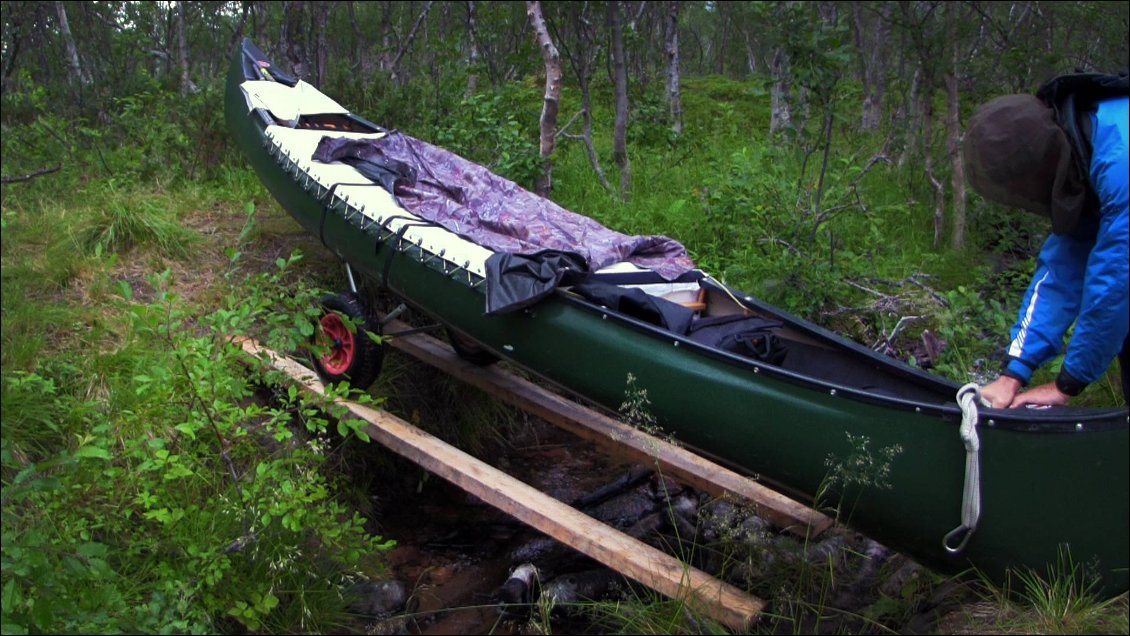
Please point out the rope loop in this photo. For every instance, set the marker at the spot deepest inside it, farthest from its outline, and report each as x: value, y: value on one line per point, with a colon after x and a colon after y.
x: 968, y: 397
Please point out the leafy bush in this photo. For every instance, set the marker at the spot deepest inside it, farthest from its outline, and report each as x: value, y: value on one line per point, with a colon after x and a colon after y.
x: 763, y: 232
x: 975, y: 331
x: 149, y: 488
x: 489, y: 130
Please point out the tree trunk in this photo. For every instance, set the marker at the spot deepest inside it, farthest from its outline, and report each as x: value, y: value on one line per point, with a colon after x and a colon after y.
x: 590, y: 149
x: 953, y: 133
x: 384, y: 60
x: 871, y: 43
x: 750, y: 53
x: 620, y: 75
x: 722, y: 10
x: 582, y: 53
x: 294, y: 39
x: 926, y: 97
x: 394, y: 66
x: 186, y: 86
x: 818, y: 197
x: 237, y: 32
x: 12, y: 52
x: 674, y: 99
x: 910, y: 121
x: 552, y: 96
x: 77, y: 74
x: 780, y: 119
x: 321, y: 52
x: 472, y: 51
x: 260, y: 22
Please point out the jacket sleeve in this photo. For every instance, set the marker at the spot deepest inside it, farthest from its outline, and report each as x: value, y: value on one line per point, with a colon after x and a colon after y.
x: 1082, y: 281
x: 1104, y: 313
x: 1050, y: 305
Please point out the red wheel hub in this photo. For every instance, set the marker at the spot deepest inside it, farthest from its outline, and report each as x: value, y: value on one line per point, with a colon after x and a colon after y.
x: 342, y: 345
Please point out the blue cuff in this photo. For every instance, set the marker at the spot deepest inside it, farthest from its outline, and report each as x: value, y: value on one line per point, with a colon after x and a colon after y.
x: 1016, y: 368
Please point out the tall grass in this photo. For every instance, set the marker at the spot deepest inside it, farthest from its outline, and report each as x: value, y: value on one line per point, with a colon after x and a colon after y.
x: 119, y: 223
x: 1064, y: 599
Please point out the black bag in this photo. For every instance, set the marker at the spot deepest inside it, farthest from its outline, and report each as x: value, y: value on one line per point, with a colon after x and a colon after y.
x: 747, y: 336
x: 638, y: 304
x: 516, y: 281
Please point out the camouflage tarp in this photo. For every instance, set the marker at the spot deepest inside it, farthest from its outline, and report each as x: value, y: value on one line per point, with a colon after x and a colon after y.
x: 494, y: 212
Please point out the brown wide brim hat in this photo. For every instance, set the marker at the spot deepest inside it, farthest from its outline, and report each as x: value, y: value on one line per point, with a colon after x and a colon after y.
x: 1016, y: 154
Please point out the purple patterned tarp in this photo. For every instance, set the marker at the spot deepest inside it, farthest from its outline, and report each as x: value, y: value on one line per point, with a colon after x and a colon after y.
x: 494, y: 212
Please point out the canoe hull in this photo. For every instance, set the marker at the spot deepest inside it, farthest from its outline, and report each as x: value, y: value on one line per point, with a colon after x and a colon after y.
x: 1044, y: 486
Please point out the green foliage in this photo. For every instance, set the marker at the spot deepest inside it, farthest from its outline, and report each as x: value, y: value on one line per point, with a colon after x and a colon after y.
x: 635, y: 408
x: 118, y: 221
x: 862, y: 467
x: 1062, y: 600
x: 975, y: 331
x: 491, y: 130
x: 650, y: 122
x: 761, y: 233
x: 147, y: 487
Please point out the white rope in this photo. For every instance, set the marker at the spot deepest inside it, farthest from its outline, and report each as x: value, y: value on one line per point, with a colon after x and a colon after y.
x: 968, y: 398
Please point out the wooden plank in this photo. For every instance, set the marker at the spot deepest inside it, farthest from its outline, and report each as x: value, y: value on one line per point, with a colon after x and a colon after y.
x: 631, y: 557
x: 615, y: 436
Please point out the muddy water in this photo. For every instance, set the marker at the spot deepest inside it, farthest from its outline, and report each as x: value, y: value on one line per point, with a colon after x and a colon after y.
x: 454, y: 552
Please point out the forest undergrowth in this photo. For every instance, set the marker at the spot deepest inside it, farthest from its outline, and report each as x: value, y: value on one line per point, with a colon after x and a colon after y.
x: 152, y: 484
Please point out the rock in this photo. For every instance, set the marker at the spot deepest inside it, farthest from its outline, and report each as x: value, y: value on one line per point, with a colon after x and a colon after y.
x: 439, y: 575
x: 906, y: 575
x: 378, y: 598
x: 516, y: 589
x: 571, y: 589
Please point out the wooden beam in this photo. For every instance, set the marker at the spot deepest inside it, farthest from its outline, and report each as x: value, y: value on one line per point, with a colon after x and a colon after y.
x: 613, y: 435
x: 631, y: 557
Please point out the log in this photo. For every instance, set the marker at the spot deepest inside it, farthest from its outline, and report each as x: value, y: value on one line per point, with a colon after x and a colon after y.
x: 634, y: 559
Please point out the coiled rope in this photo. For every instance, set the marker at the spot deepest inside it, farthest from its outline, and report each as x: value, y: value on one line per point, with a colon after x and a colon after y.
x: 968, y: 397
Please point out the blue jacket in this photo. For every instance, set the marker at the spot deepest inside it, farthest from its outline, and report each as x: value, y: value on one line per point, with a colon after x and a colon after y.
x: 1083, y: 281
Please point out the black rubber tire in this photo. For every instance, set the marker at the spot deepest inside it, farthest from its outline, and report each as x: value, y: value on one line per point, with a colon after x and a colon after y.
x: 353, y: 357
x: 470, y: 350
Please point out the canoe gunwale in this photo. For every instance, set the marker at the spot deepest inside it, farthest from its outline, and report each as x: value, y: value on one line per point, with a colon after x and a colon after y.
x: 1028, y: 471
x: 1064, y: 420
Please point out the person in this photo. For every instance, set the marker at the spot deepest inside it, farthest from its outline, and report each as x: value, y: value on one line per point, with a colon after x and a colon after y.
x: 1018, y: 153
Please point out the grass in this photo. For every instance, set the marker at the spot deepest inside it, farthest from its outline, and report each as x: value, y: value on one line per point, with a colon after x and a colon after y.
x: 79, y: 255
x: 1062, y: 600
x: 111, y: 487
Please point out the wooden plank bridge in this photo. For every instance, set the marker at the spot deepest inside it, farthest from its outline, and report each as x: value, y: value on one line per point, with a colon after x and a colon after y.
x: 633, y: 558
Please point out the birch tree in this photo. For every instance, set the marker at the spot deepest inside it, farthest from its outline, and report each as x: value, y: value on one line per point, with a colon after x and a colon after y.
x: 871, y: 33
x: 953, y: 130
x: 674, y: 99
x: 551, y: 102
x: 186, y: 85
x: 77, y: 72
x: 620, y: 80
x: 472, y: 51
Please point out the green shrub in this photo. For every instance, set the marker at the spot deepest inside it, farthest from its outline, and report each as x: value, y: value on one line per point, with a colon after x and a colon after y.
x: 491, y: 130
x: 150, y: 488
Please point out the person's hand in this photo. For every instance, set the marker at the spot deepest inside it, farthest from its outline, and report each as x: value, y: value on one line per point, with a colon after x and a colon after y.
x: 1000, y: 392
x: 1043, y: 395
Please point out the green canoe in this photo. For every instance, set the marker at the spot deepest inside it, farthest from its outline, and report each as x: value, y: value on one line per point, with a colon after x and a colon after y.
x: 878, y: 439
